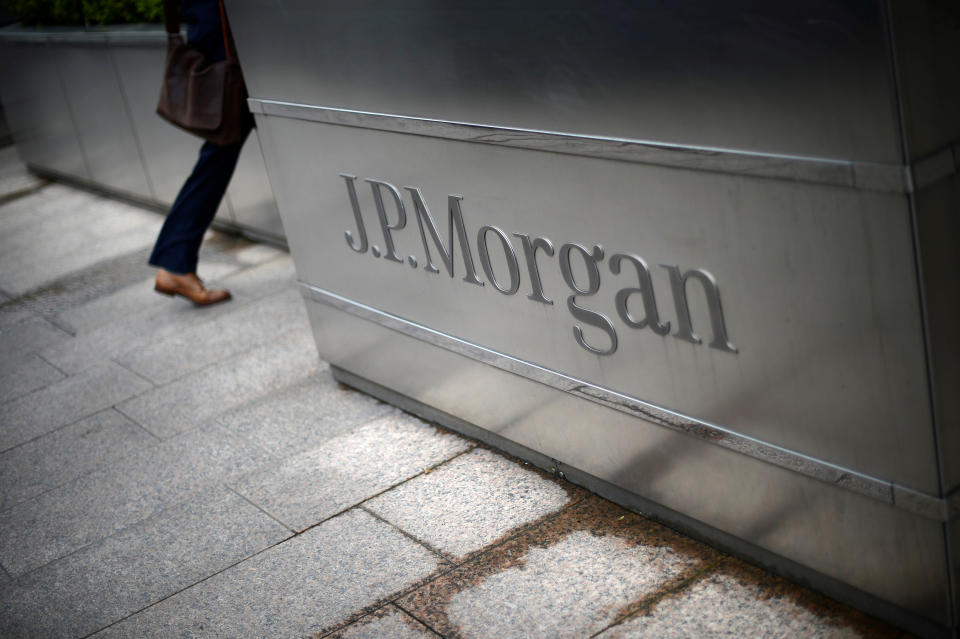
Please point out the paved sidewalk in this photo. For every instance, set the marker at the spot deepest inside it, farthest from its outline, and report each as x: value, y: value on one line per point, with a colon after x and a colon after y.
x: 167, y: 471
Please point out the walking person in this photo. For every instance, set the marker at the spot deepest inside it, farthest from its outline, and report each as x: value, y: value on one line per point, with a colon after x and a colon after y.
x: 176, y: 251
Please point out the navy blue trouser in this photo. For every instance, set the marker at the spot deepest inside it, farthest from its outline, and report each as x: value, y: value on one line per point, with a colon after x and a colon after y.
x: 178, y: 244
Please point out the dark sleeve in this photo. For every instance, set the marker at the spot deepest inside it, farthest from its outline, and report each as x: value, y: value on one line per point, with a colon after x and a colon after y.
x: 203, y: 27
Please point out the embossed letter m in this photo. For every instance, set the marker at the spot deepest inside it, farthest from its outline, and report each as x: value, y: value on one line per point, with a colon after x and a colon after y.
x: 455, y: 221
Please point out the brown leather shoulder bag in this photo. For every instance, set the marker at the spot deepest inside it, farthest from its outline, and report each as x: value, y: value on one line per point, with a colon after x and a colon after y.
x: 204, y: 98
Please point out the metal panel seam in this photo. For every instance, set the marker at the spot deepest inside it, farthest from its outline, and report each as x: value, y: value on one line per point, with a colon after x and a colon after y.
x: 133, y: 126
x: 862, y: 175
x: 73, y: 117
x: 920, y: 178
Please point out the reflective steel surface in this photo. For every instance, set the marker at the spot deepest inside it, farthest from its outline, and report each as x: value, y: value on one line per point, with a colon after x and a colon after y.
x: 863, y: 175
x: 82, y: 105
x: 937, y: 509
x: 704, y: 254
x: 926, y: 45
x: 810, y: 328
x: 953, y: 545
x: 37, y: 110
x: 938, y: 231
x: 805, y: 78
x: 101, y: 117
x: 165, y: 148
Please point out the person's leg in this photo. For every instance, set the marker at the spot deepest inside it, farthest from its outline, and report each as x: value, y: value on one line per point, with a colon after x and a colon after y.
x: 178, y: 244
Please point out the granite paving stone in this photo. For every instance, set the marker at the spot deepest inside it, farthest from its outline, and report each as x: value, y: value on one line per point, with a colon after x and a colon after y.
x: 114, y: 218
x: 571, y: 589
x: 20, y: 376
x: 10, y: 185
x: 252, y: 254
x: 67, y: 453
x: 47, y: 192
x: 470, y: 502
x: 98, y: 504
x: 125, y: 333
x: 312, y: 486
x: 65, y: 402
x: 77, y: 250
x: 31, y: 334
x: 240, y: 329
x: 571, y: 575
x: 28, y: 272
x: 136, y: 567
x: 212, y: 273
x: 133, y: 300
x: 32, y: 248
x: 390, y: 622
x: 264, y: 279
x: 10, y: 314
x: 55, y: 201
x: 57, y: 211
x: 82, y: 286
x: 14, y: 176
x: 303, y: 415
x: 236, y: 250
x: 50, y: 202
x: 201, y: 396
x: 25, y: 219
x: 108, y: 309
x: 318, y: 579
x: 741, y: 601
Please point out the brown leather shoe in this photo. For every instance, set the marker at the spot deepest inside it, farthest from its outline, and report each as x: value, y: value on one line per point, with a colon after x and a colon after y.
x: 190, y: 287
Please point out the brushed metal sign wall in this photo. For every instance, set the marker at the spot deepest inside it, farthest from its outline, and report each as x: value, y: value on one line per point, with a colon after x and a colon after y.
x: 674, y: 252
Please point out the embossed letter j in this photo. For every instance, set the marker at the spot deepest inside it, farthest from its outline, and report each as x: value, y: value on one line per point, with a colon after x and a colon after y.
x: 360, y: 244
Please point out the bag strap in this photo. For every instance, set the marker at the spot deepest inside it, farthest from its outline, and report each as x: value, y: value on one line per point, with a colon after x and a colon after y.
x: 171, y: 16
x: 227, y: 40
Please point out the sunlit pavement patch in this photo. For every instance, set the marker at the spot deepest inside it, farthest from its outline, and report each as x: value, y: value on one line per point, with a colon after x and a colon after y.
x: 741, y: 601
x: 571, y: 576
x: 470, y: 502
